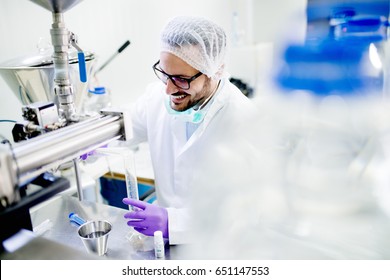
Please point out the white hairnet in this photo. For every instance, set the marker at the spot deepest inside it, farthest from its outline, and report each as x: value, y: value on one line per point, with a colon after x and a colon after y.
x: 198, y: 41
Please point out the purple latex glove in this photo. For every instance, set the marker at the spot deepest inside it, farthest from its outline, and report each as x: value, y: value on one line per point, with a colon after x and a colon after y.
x: 148, y: 219
x: 91, y: 153
x: 85, y: 156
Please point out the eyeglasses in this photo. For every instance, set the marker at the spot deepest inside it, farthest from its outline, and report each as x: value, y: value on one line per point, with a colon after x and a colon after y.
x: 177, y: 80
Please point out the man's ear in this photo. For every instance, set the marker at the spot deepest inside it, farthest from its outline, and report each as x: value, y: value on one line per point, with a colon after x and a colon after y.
x: 220, y: 73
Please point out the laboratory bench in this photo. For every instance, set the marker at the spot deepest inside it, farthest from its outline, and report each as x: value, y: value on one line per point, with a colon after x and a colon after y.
x: 57, y: 237
x: 103, y: 186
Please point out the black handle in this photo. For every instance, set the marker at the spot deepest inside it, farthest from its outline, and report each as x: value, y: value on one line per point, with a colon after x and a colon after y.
x: 124, y: 46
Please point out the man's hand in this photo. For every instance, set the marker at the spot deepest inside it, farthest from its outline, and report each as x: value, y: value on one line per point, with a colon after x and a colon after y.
x: 148, y: 219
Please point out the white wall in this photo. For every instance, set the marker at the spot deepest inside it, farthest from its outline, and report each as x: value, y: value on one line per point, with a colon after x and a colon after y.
x: 103, y: 26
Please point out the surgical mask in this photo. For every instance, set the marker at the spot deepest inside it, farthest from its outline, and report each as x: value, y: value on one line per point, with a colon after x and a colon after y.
x: 189, y: 115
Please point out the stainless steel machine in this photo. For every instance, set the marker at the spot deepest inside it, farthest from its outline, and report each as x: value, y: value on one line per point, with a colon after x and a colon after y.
x: 53, y: 132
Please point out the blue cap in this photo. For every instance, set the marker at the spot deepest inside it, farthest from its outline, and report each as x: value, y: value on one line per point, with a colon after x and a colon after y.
x: 98, y: 90
x: 73, y: 217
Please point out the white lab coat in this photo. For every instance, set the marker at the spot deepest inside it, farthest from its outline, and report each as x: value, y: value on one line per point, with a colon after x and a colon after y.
x: 173, y: 157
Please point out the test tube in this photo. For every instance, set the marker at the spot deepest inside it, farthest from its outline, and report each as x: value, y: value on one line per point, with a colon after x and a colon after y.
x: 128, y: 160
x: 130, y: 176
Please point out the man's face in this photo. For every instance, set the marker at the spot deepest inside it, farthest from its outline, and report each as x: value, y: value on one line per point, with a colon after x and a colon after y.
x: 180, y: 99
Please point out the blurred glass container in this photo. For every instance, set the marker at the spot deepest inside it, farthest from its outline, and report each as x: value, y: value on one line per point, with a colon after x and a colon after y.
x: 336, y: 116
x: 98, y: 99
x: 328, y: 119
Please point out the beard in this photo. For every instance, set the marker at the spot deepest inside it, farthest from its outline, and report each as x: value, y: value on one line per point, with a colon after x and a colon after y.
x: 194, y: 101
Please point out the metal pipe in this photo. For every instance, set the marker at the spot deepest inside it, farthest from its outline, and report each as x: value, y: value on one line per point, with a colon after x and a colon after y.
x: 60, y: 37
x: 58, y: 136
x: 24, y: 178
x: 78, y: 179
x: 51, y: 147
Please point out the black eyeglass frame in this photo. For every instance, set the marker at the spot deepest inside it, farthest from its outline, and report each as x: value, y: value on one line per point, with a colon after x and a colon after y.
x: 173, y: 77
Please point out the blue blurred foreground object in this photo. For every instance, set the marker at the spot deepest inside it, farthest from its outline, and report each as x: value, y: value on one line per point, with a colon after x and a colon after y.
x: 328, y: 67
x: 362, y: 28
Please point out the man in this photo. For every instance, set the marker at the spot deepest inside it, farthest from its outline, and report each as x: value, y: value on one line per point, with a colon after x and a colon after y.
x: 183, y: 117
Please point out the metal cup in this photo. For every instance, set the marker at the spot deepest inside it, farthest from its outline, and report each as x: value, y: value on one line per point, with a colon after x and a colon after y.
x: 94, y: 235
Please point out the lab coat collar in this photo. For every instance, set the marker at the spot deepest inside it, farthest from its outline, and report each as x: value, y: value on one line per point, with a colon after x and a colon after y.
x: 179, y: 127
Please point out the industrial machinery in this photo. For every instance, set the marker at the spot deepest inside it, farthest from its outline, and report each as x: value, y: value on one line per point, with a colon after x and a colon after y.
x: 53, y: 132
